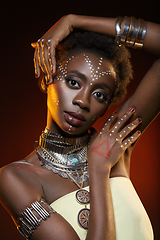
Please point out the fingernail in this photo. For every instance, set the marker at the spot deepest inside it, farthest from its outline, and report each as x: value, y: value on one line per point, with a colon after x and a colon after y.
x: 132, y: 110
x: 140, y: 119
x: 139, y: 132
x: 34, y: 45
x: 47, y: 80
x: 50, y: 80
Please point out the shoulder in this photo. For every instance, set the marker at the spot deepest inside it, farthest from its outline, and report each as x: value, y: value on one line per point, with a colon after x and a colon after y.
x: 7, y: 173
x: 20, y: 171
x: 19, y: 186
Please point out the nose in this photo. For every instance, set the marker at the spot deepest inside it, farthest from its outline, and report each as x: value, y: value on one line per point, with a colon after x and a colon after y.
x: 82, y: 100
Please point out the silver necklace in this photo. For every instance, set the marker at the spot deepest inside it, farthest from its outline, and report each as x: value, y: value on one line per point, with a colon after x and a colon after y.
x: 73, y: 166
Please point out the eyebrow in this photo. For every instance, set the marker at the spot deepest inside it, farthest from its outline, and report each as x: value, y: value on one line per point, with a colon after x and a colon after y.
x: 79, y: 74
x: 83, y: 76
x: 103, y: 85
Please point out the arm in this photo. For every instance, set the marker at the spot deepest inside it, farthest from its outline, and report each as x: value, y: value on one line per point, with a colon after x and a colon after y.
x: 21, y: 186
x: 146, y: 99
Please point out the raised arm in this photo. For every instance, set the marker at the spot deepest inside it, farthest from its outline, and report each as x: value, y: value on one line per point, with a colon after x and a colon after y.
x: 146, y: 99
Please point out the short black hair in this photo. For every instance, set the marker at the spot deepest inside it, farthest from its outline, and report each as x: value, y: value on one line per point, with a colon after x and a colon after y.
x: 103, y: 46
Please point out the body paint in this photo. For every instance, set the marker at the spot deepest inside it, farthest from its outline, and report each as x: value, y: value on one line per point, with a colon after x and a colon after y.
x: 105, y: 152
x: 97, y: 73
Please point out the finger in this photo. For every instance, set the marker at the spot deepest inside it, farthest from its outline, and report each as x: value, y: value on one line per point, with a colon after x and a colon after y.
x: 127, y: 130
x: 51, y: 56
x: 108, y: 124
x: 127, y: 142
x: 45, y: 62
x: 40, y: 60
x: 36, y: 65
x: 124, y: 118
x: 34, y: 45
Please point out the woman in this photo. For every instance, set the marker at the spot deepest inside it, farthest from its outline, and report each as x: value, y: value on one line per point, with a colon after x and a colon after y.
x: 90, y: 73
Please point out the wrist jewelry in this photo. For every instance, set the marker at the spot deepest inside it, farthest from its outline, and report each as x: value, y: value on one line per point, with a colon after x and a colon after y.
x: 28, y: 222
x: 133, y: 34
x: 118, y: 30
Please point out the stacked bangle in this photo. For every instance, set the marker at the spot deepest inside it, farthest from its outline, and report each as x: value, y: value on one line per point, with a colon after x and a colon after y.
x: 133, y: 34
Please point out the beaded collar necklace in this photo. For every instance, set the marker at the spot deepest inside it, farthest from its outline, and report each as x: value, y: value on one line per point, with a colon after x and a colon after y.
x: 65, y: 156
x: 59, y: 144
x: 72, y: 165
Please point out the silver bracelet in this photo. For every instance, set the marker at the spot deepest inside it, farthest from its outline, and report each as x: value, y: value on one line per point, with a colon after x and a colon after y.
x: 118, y: 30
x: 134, y: 32
x: 28, y: 222
x: 125, y: 30
x: 140, y: 34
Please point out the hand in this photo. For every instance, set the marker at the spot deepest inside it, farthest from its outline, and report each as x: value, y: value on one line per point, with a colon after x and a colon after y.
x: 110, y: 143
x: 44, y: 55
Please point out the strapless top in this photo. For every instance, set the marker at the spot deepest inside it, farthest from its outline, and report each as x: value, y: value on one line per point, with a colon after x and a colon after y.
x: 131, y: 219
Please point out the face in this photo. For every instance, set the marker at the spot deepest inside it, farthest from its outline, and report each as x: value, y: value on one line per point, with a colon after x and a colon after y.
x: 80, y: 93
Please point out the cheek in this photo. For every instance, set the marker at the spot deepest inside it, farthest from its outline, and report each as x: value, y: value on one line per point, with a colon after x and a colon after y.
x: 55, y: 93
x: 99, y: 112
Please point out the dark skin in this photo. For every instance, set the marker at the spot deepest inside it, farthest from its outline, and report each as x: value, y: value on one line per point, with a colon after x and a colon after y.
x: 21, y: 184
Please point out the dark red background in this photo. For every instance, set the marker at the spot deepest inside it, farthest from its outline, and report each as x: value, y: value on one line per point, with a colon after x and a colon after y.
x: 23, y: 106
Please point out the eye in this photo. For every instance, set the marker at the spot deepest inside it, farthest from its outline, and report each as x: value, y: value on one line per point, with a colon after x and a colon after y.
x: 72, y: 82
x: 100, y: 96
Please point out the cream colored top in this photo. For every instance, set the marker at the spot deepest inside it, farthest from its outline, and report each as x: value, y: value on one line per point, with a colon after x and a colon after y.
x: 131, y: 219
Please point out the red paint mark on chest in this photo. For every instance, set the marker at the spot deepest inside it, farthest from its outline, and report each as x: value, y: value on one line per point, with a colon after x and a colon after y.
x: 26, y: 167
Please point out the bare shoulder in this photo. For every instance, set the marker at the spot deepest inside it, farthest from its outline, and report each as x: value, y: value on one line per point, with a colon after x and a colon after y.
x: 19, y: 186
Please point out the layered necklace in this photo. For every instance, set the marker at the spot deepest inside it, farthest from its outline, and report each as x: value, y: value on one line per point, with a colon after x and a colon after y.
x: 68, y: 158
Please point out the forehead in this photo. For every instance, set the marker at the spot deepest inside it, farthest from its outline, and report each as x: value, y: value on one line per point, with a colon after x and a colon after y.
x: 89, y: 59
x: 89, y: 64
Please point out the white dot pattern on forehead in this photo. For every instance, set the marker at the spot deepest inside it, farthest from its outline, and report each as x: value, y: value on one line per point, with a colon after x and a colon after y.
x: 95, y: 74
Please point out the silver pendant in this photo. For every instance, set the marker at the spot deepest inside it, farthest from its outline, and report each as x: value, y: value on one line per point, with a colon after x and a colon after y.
x: 72, y: 159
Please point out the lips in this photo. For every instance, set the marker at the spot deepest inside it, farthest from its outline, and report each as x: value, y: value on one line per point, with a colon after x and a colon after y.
x: 74, y: 118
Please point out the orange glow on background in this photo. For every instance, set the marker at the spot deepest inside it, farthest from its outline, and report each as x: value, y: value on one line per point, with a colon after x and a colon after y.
x: 23, y: 106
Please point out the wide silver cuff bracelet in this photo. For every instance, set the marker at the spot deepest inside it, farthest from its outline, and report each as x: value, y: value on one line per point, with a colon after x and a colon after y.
x: 28, y: 222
